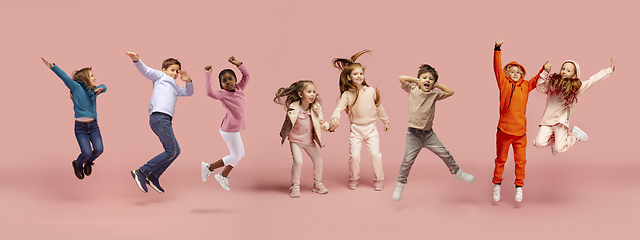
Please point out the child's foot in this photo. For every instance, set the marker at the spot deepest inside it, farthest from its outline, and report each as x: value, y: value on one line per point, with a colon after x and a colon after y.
x: 77, y: 170
x: 378, y: 185
x: 139, y: 178
x: 463, y: 176
x: 553, y: 151
x: 397, y: 194
x: 353, y: 184
x: 580, y: 135
x: 496, y: 192
x: 295, y: 191
x: 88, y: 169
x: 319, y: 188
x: 518, y: 196
x: 154, y: 182
x: 204, y: 171
x: 224, y: 181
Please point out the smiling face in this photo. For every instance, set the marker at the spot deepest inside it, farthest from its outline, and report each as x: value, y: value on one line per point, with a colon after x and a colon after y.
x: 228, y: 81
x: 430, y: 80
x: 172, y: 70
x: 357, y: 76
x: 514, y: 72
x: 568, y: 70
x: 308, y: 94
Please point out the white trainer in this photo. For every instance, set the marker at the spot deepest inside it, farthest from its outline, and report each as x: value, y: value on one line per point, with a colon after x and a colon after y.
x: 553, y: 151
x: 463, y: 176
x: 580, y: 135
x: 224, y: 181
x: 397, y: 194
x: 518, y: 196
x: 204, y: 171
x: 496, y: 192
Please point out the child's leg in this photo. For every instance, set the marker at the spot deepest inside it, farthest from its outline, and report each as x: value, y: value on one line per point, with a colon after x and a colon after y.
x: 432, y: 143
x: 372, y: 139
x: 544, y: 136
x: 96, y: 141
x: 84, y: 141
x: 161, y: 125
x: 564, y: 139
x: 503, y: 141
x: 355, y: 145
x: 296, y: 167
x: 236, y: 151
x: 413, y: 147
x: 314, y: 153
x: 520, y: 158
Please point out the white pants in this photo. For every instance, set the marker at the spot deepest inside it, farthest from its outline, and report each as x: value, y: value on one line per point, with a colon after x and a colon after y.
x: 313, y: 152
x: 236, y: 148
x: 369, y: 135
x: 558, y: 135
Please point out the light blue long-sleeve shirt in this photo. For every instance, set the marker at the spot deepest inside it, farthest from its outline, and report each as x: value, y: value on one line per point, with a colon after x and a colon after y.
x: 84, y: 101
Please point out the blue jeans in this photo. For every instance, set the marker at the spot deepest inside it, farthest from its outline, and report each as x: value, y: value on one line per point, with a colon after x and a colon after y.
x: 88, y: 133
x: 161, y: 125
x: 418, y: 139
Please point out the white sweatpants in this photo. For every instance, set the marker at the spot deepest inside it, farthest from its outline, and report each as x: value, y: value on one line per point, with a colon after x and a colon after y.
x: 236, y: 148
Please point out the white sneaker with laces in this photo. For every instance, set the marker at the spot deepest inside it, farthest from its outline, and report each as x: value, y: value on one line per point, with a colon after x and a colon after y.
x: 463, y: 176
x: 204, y: 171
x: 580, y: 135
x: 518, y: 196
x: 397, y: 194
x: 224, y: 181
x: 496, y: 192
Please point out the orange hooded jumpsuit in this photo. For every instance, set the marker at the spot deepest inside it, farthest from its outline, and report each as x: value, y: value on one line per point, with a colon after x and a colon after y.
x: 512, y: 126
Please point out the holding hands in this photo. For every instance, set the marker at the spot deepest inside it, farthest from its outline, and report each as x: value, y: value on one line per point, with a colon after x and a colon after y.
x: 134, y: 56
x: 50, y: 64
x: 333, y: 125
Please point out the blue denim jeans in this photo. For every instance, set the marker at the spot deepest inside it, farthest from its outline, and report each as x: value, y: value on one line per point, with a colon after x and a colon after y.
x: 161, y: 125
x: 88, y: 133
x: 418, y: 139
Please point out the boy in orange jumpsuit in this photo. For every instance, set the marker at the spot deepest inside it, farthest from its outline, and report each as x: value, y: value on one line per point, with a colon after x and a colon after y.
x: 512, y: 126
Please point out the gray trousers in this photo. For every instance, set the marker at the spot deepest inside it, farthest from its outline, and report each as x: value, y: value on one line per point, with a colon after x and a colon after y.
x: 418, y: 139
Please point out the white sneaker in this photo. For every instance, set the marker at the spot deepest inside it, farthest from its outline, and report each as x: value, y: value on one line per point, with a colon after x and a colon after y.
x: 580, y: 135
x: 463, y: 176
x: 518, y: 197
x: 553, y: 151
x: 496, y: 192
x: 397, y: 194
x: 224, y: 181
x: 204, y: 171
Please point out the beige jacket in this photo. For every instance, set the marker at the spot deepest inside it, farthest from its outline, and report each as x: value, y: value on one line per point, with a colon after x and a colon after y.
x: 316, y: 116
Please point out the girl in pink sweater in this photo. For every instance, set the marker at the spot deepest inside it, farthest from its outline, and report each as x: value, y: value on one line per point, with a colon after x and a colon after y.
x: 302, y: 125
x: 563, y: 90
x: 232, y: 97
x: 362, y: 104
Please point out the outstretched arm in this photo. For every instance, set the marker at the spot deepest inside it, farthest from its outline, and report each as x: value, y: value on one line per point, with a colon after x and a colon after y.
x: 72, y: 85
x: 596, y: 78
x: 149, y: 73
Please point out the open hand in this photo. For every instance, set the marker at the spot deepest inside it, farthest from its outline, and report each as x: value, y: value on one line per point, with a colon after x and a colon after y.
x: 184, y: 76
x: 207, y: 69
x: 234, y: 61
x: 47, y: 63
x: 134, y: 56
x: 547, y: 66
x: 613, y: 65
x: 98, y: 90
x: 499, y: 42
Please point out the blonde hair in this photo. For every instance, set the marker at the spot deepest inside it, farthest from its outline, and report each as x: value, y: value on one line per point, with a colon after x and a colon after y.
x: 506, y: 69
x: 82, y: 75
x: 286, y: 96
x: 346, y: 66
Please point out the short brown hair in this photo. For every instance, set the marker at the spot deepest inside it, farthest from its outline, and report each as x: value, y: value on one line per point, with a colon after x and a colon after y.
x: 170, y: 61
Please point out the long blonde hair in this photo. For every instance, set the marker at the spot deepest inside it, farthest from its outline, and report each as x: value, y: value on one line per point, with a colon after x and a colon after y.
x: 286, y: 96
x: 346, y: 66
x: 82, y: 75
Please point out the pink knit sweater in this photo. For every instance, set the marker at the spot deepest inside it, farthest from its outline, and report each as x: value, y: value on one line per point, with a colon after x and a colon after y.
x: 365, y: 109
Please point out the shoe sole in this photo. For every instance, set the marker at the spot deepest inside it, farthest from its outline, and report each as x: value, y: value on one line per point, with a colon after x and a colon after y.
x: 396, y: 199
x: 318, y: 191
x: 378, y: 189
x: 496, y: 199
x: 203, y: 171
x: 154, y: 186
x: 582, y: 133
x: 75, y: 171
x: 135, y: 178
x: 218, y: 178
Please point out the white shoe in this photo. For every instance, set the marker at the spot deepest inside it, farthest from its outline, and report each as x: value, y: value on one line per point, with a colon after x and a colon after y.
x: 580, y: 135
x: 463, y: 176
x: 518, y: 196
x: 224, y: 181
x: 496, y: 192
x: 397, y: 194
x: 204, y: 171
x: 553, y: 151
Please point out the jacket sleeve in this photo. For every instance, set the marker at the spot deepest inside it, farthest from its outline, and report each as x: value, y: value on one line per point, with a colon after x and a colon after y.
x: 533, y: 82
x: 245, y: 77
x: 344, y: 100
x: 497, y: 67
x: 104, y: 88
x: 209, y: 88
x: 323, y: 124
x: 604, y: 73
x: 543, y: 82
x: 72, y: 85
x: 149, y: 73
x: 186, y: 91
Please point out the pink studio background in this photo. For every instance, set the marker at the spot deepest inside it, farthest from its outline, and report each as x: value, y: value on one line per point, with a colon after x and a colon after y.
x: 590, y: 192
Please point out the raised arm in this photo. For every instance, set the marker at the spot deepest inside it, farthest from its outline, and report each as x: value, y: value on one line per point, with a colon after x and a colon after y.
x: 188, y: 90
x: 207, y: 83
x: 448, y: 92
x: 497, y: 61
x: 149, y: 73
x: 419, y: 82
x: 542, y: 84
x: 242, y: 84
x: 72, y: 85
x: 533, y: 82
x: 596, y: 78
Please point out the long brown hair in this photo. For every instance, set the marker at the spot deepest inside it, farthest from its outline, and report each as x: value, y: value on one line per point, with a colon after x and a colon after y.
x: 346, y: 66
x: 565, y: 89
x: 286, y: 96
x: 82, y: 75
